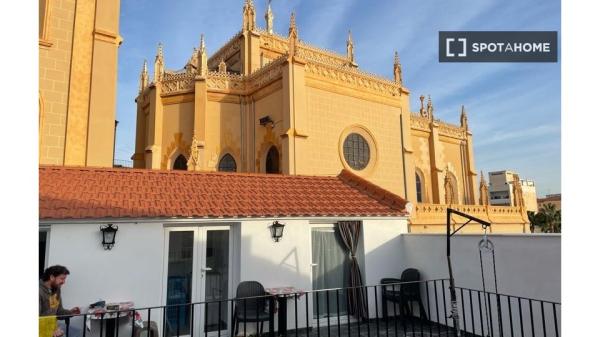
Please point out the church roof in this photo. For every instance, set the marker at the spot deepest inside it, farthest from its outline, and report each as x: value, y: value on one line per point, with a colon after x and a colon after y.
x: 100, y: 193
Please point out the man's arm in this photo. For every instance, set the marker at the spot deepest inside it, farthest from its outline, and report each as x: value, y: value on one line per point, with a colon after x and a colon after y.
x: 61, y: 311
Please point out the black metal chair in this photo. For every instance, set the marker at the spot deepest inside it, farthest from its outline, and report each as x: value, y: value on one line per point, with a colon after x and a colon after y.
x: 403, y: 294
x: 251, y: 309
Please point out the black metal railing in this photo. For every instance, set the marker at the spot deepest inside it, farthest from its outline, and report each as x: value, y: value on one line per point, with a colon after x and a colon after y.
x: 420, y: 308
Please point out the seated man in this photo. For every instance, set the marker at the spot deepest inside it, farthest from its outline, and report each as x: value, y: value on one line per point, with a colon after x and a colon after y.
x: 51, y: 302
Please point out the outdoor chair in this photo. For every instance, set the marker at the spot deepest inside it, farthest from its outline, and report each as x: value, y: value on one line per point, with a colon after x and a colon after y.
x: 252, y: 309
x: 403, y: 294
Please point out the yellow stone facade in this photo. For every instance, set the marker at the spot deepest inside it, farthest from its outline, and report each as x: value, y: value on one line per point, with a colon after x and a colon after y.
x: 263, y: 94
x: 78, y: 44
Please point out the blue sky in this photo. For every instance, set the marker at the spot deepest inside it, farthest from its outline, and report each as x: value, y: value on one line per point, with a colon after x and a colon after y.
x: 513, y: 108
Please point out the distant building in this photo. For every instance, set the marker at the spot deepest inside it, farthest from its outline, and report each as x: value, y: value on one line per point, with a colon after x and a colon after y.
x: 554, y: 199
x: 502, y: 191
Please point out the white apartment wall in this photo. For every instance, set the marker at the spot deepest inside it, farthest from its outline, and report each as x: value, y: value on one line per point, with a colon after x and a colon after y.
x: 527, y: 265
x: 131, y: 271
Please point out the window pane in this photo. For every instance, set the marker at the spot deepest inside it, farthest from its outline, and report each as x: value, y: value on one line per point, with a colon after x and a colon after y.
x: 356, y: 151
x: 179, y: 281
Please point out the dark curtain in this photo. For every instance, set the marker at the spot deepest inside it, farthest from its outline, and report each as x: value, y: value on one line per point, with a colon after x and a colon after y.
x: 350, y: 233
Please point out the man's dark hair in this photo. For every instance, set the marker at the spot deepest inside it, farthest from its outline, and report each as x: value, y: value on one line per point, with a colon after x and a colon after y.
x: 54, y: 271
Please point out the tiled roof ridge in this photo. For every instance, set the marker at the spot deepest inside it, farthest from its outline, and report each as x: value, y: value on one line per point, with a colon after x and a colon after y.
x: 386, y: 197
x: 182, y: 172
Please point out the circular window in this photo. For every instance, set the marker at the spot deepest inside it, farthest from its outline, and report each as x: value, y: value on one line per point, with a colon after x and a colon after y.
x: 356, y: 151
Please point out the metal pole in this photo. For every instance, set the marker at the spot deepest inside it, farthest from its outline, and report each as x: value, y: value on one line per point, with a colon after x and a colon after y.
x: 454, y: 306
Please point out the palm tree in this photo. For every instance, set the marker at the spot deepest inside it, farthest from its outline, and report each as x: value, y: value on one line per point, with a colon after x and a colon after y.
x: 551, y: 218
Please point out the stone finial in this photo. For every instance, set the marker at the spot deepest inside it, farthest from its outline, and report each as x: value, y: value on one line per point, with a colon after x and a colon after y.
x: 222, y: 66
x: 159, y: 64
x: 484, y: 197
x: 293, y: 35
x: 397, y: 69
x: 350, y: 48
x: 429, y: 107
x: 202, y: 58
x: 269, y: 18
x: 422, y: 110
x: 463, y: 118
x: 144, y: 76
x: 249, y: 16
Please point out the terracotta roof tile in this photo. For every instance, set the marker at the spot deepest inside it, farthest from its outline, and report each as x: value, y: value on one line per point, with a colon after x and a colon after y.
x: 95, y: 193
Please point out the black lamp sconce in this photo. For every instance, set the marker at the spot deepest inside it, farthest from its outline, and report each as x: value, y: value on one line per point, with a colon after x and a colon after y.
x: 276, y: 231
x: 109, y: 233
x: 264, y: 121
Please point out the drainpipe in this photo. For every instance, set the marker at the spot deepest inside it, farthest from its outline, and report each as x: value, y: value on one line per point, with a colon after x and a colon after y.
x: 115, y: 141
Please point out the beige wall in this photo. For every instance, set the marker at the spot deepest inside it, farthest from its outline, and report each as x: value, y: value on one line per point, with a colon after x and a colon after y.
x: 78, y: 75
x: 332, y: 116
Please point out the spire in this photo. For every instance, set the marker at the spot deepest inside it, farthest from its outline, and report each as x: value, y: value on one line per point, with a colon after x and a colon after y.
x: 293, y: 35
x: 397, y: 69
x: 202, y: 58
x: 463, y: 118
x: 249, y: 17
x: 484, y: 198
x: 144, y: 76
x: 429, y: 107
x: 159, y: 64
x: 350, y: 48
x: 422, y: 110
x: 269, y: 18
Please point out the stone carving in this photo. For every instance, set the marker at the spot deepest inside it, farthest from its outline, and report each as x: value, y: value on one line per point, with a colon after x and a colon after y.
x: 448, y: 189
x: 177, y: 82
x: 229, y: 49
x: 418, y: 122
x: 354, y: 77
x: 225, y: 81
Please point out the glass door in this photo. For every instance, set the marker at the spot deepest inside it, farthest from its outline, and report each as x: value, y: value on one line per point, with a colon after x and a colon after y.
x: 330, y: 270
x: 198, y: 269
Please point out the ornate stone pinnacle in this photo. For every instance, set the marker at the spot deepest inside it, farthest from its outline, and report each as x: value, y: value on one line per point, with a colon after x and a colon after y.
x: 350, y: 47
x: 293, y: 28
x: 159, y: 52
x: 269, y: 18
x: 397, y: 69
x: 145, y: 67
x: 463, y: 117
x: 202, y: 44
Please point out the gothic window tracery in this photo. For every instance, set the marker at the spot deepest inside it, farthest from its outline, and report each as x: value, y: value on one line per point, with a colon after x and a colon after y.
x: 227, y: 164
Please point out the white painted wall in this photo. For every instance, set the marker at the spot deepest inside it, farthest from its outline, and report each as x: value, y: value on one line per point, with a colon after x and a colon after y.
x: 131, y: 271
x: 527, y: 265
x: 134, y: 268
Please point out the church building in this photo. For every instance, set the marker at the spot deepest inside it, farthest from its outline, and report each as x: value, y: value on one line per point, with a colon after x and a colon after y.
x: 267, y: 103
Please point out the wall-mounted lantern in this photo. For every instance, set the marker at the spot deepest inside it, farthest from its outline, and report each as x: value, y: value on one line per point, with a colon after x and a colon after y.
x: 276, y: 231
x: 109, y: 233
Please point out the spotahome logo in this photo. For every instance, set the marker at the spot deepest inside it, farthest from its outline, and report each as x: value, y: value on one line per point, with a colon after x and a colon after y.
x: 498, y: 46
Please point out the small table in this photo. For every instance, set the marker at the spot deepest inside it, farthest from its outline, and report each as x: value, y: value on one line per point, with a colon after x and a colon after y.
x: 111, y: 317
x: 283, y: 294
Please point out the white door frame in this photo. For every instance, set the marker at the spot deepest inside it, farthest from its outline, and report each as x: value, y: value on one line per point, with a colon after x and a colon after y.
x: 198, y: 264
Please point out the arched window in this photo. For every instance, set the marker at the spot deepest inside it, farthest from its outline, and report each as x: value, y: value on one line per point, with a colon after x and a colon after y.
x: 272, y: 162
x: 419, y: 188
x: 180, y: 163
x: 227, y: 164
x: 356, y: 151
